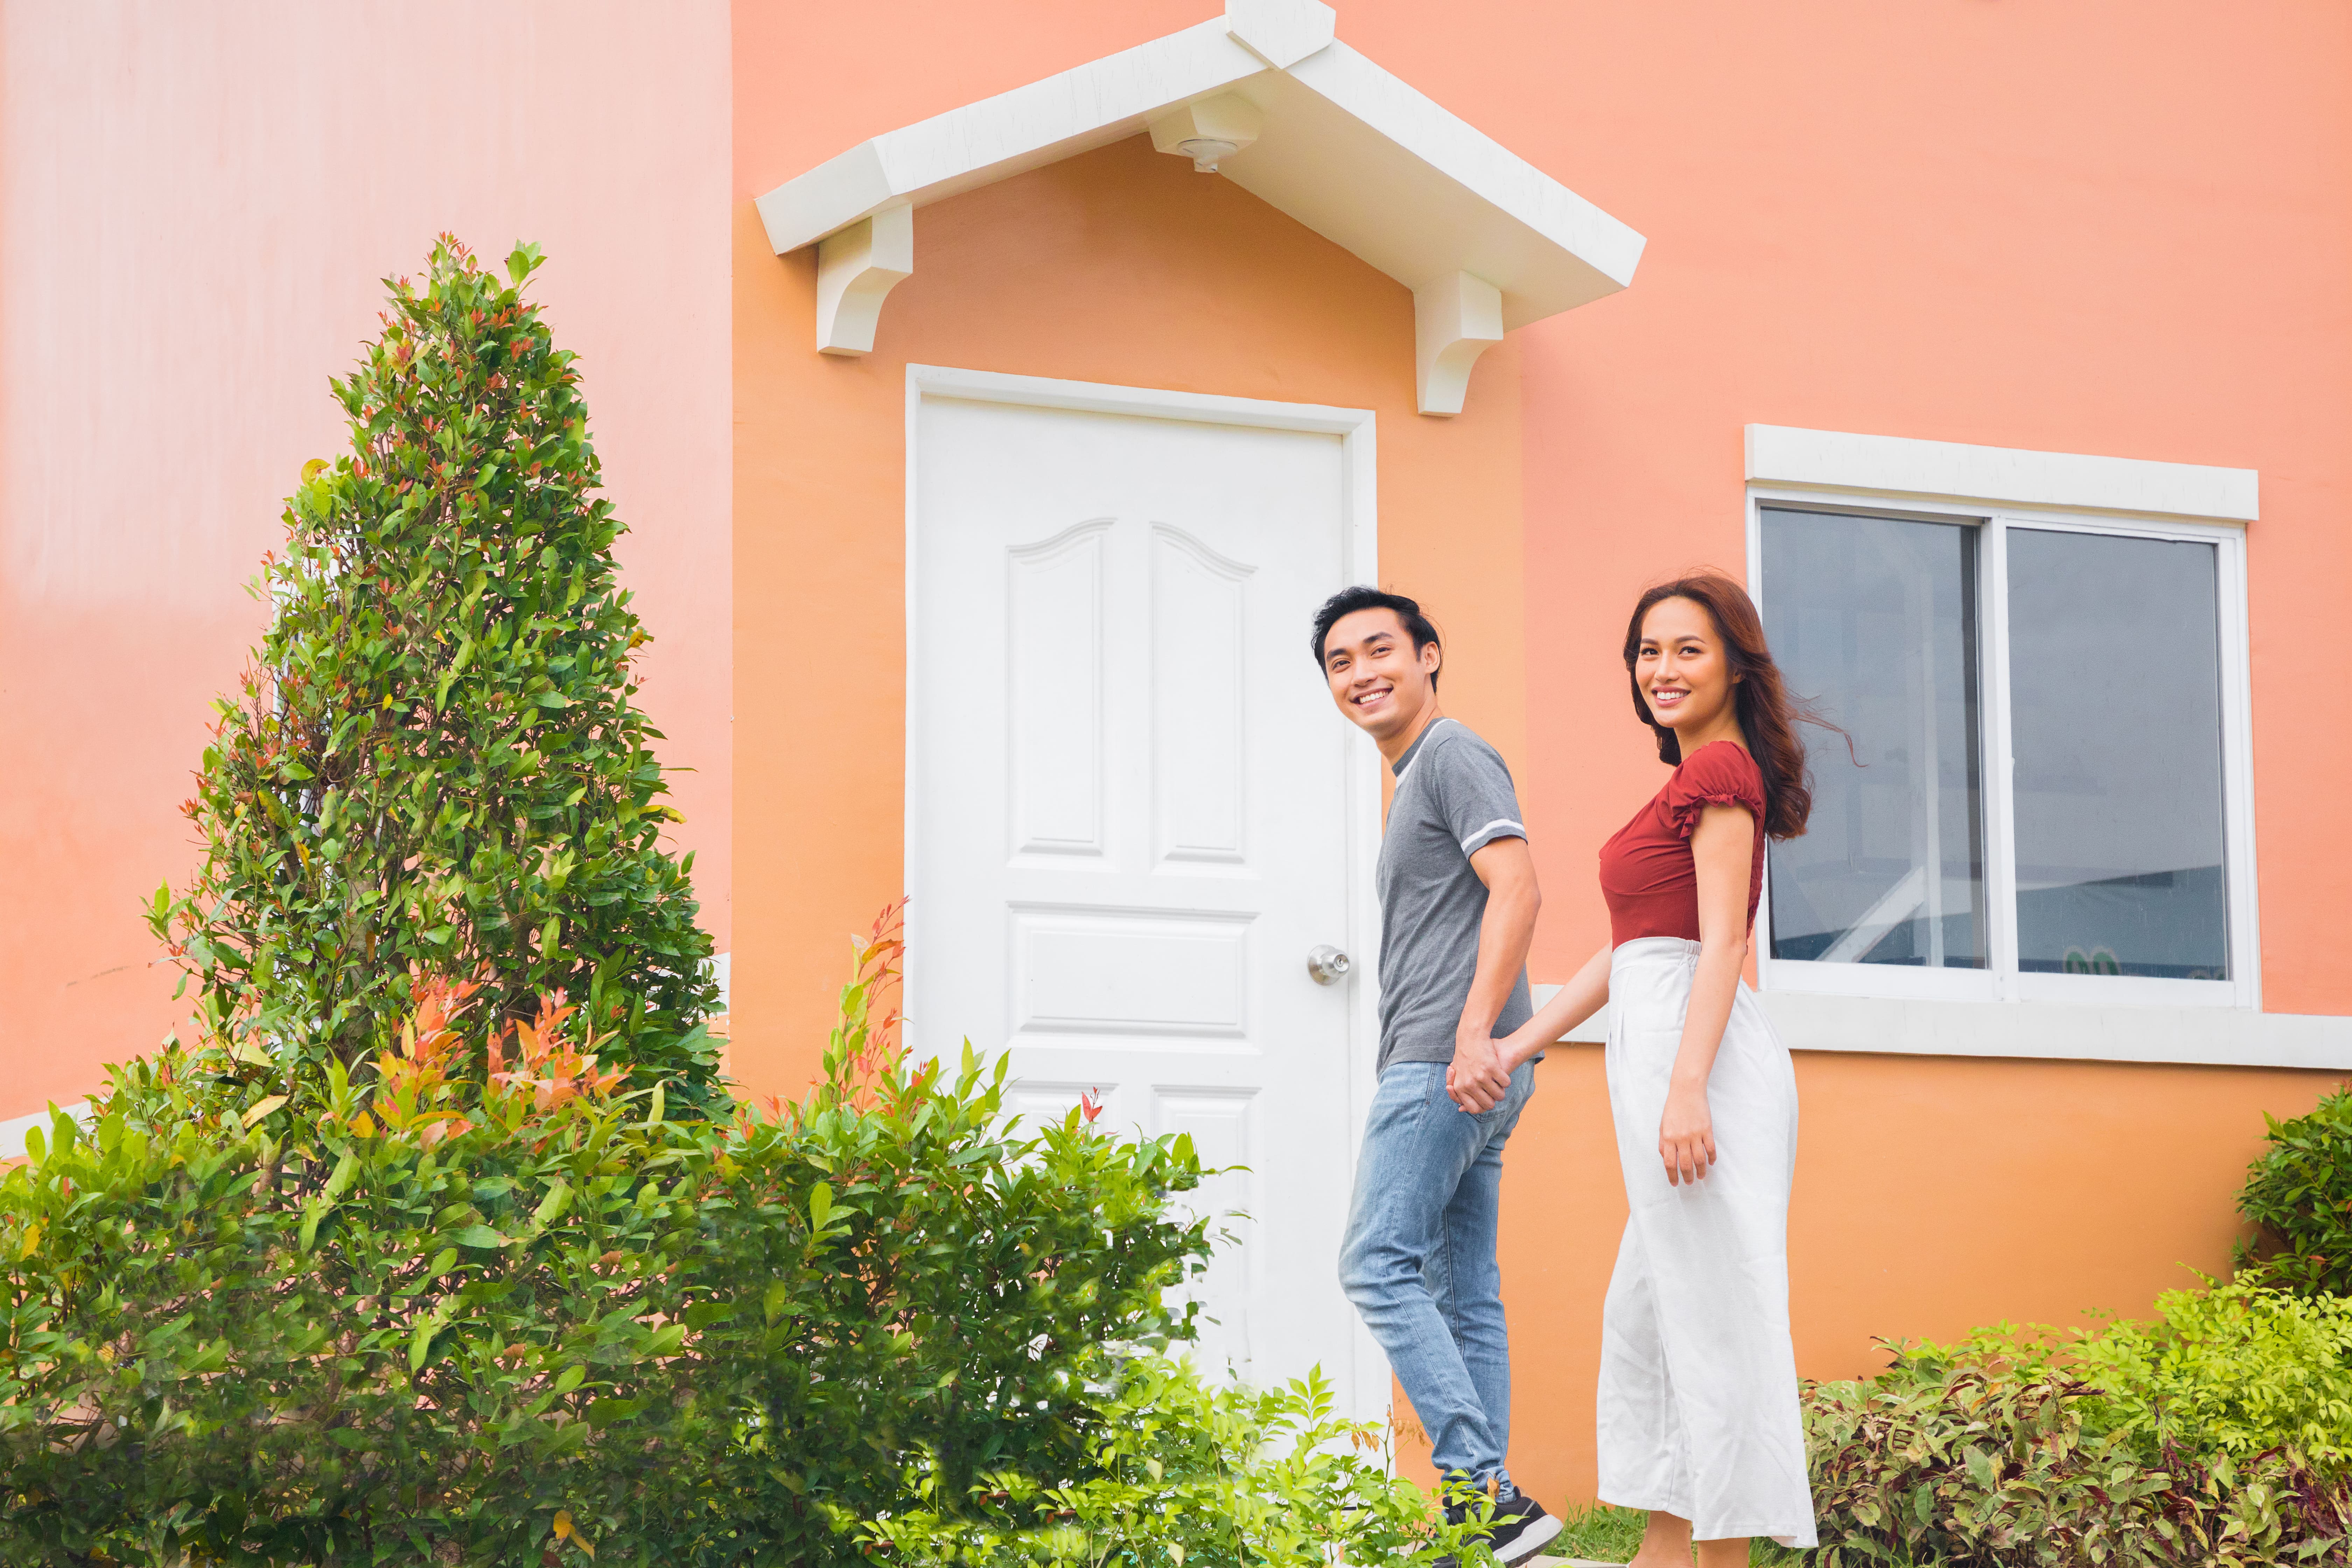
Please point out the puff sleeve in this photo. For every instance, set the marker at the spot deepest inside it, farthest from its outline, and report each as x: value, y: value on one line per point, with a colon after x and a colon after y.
x: 1717, y: 773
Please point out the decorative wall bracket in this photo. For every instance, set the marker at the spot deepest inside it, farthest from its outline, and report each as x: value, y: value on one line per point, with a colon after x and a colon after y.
x: 1456, y: 318
x: 857, y: 267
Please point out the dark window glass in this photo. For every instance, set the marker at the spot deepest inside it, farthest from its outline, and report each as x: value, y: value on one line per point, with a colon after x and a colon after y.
x: 2115, y: 660
x: 1875, y: 620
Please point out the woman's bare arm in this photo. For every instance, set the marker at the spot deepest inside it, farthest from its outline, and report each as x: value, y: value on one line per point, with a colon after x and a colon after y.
x: 1723, y: 848
x: 1585, y: 993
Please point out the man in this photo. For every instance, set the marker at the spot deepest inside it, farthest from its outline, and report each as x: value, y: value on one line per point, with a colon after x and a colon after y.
x: 1458, y: 901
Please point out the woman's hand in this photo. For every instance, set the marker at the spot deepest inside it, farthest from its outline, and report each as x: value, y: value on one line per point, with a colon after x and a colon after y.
x: 1686, y: 1134
x: 1518, y: 1048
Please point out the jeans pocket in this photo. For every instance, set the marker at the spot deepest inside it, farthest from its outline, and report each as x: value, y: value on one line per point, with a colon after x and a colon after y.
x: 1504, y: 1114
x: 1401, y: 1102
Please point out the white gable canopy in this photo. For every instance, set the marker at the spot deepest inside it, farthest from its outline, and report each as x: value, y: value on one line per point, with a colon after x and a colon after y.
x: 1268, y: 96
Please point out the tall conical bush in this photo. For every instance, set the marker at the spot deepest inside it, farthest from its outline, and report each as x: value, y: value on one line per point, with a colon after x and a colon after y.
x: 435, y: 765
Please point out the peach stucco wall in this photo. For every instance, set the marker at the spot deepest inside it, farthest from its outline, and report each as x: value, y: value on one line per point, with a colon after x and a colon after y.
x: 196, y: 202
x: 2117, y: 226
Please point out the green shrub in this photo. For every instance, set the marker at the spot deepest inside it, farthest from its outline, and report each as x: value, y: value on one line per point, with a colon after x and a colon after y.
x: 1185, y: 1476
x: 2236, y: 1370
x: 2219, y: 1432
x: 2299, y: 1196
x: 1976, y: 1465
x: 439, y: 1322
x: 434, y: 761
x: 2000, y: 1450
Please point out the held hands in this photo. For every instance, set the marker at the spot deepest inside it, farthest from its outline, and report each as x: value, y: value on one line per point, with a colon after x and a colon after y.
x: 1686, y: 1133
x: 1480, y: 1074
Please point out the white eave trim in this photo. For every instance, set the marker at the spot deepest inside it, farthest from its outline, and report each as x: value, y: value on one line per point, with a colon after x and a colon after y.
x: 1347, y: 149
x: 1895, y: 465
x: 1098, y: 103
x: 1481, y: 166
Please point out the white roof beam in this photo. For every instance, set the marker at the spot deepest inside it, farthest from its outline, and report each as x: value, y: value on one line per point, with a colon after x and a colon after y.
x: 1104, y: 101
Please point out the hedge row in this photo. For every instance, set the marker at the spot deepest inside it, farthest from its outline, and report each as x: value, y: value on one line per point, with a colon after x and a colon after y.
x: 438, y: 1322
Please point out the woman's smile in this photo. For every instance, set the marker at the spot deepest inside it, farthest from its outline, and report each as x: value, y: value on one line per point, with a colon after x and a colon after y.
x: 1680, y: 669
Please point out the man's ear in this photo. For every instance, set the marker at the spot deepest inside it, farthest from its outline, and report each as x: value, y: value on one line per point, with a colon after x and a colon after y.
x: 1433, y: 656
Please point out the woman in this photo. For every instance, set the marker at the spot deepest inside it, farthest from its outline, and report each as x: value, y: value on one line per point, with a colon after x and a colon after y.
x: 1699, y: 1415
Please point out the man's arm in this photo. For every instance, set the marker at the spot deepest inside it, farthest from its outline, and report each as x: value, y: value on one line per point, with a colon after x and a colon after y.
x: 1477, y: 1080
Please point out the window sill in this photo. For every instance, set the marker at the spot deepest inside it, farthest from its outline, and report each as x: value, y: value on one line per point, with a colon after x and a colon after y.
x: 1894, y: 983
x: 2052, y: 1031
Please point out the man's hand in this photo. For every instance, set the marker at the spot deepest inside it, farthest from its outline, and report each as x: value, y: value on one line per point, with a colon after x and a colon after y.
x: 1478, y: 1078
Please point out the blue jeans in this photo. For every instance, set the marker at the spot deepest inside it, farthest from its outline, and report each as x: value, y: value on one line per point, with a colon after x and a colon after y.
x: 1419, y: 1260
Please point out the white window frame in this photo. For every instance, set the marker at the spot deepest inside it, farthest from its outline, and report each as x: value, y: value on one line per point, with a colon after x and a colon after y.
x: 1998, y: 490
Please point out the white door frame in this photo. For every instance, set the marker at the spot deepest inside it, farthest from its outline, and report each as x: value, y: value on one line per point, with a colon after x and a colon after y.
x: 1363, y: 1387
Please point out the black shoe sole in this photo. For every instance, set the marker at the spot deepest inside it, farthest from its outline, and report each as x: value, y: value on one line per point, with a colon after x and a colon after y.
x: 1530, y: 1542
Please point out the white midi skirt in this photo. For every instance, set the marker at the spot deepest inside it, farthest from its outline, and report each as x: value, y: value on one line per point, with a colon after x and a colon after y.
x: 1698, y: 1414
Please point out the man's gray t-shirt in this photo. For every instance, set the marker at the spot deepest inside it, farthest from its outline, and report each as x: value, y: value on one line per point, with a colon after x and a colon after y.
x: 1454, y: 797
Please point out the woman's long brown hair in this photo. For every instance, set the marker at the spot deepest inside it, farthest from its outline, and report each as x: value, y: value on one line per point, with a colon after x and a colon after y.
x: 1768, y: 715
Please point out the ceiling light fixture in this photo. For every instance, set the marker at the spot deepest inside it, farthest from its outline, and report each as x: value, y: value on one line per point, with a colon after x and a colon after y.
x: 1204, y: 152
x: 1209, y: 131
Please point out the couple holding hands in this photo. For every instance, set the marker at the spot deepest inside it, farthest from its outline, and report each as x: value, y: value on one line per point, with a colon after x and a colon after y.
x: 1698, y: 1419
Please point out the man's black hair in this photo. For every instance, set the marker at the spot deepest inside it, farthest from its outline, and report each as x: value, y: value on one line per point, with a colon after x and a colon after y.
x: 1348, y: 601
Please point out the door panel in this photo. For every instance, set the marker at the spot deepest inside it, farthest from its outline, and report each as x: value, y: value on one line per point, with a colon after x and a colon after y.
x: 1129, y: 814
x: 1200, y: 752
x: 1053, y: 592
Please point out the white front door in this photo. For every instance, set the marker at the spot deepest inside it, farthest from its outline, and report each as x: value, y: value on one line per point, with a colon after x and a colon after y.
x: 1133, y: 812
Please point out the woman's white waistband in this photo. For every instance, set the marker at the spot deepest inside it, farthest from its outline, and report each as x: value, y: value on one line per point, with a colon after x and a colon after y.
x: 1651, y: 948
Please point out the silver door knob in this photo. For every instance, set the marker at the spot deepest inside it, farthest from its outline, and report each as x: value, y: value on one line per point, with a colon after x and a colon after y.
x: 1328, y: 964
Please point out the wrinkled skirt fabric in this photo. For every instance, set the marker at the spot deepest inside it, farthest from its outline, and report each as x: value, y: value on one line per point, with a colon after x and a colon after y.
x: 1698, y: 1414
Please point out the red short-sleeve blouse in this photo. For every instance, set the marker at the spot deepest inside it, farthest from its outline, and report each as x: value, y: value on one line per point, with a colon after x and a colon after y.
x: 1647, y: 874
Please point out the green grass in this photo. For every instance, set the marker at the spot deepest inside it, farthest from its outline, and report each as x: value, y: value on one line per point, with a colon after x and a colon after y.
x: 1607, y: 1534
x: 1603, y: 1533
